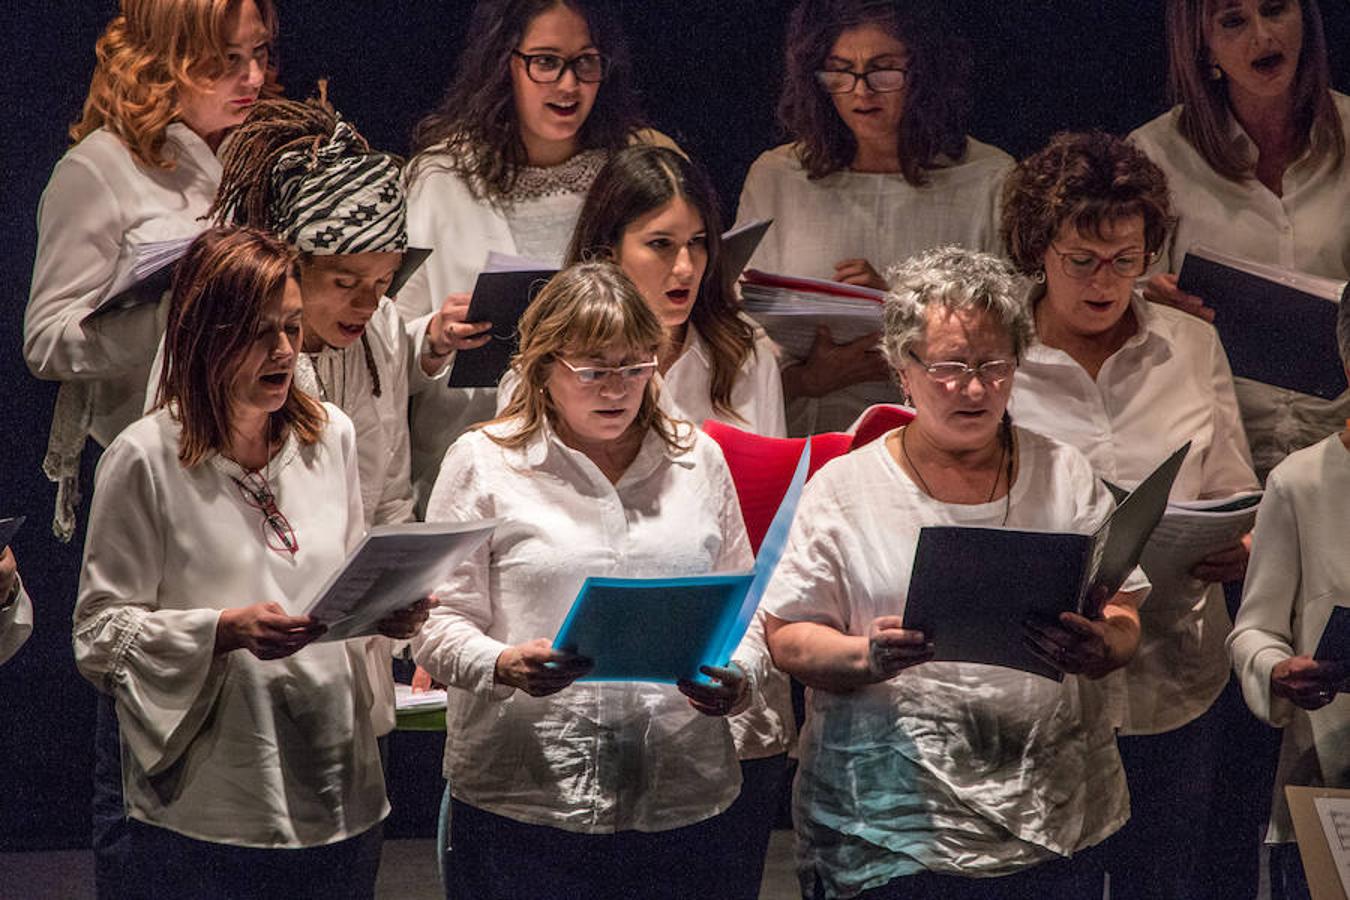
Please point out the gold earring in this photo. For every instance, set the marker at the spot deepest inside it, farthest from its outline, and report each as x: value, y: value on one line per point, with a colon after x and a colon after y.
x: 1215, y: 73
x: 1038, y: 276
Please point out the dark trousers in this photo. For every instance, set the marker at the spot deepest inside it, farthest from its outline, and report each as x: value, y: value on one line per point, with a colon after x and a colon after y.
x: 111, y: 844
x: 751, y: 819
x: 1288, y: 881
x: 170, y: 865
x: 1199, y: 801
x: 1077, y: 878
x: 496, y: 858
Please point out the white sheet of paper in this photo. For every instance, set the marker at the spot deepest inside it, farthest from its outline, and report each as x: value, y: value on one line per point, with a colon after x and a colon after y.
x: 1335, y: 815
x: 1187, y: 534
x: 392, y: 567
x: 407, y: 701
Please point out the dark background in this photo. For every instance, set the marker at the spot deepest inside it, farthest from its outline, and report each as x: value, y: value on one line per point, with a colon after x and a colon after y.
x: 709, y: 74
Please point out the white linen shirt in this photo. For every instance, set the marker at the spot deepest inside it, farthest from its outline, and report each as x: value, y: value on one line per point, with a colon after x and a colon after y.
x: 879, y: 217
x: 226, y: 748
x: 597, y: 757
x: 1168, y: 384
x: 1304, y: 229
x: 756, y: 394
x: 949, y: 767
x: 341, y: 377
x: 16, y: 624
x: 461, y: 228
x: 1298, y: 572
x: 98, y: 206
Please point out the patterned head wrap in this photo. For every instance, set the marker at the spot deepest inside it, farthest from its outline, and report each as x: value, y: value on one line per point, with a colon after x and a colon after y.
x: 339, y: 197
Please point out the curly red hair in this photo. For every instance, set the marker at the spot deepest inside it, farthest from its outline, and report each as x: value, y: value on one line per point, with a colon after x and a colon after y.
x: 145, y: 55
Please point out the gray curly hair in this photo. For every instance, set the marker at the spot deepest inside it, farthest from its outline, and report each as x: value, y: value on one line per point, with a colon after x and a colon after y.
x: 954, y: 279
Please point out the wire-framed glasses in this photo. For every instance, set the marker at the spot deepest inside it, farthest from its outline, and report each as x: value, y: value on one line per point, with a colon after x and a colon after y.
x: 953, y: 374
x: 879, y: 81
x: 277, y: 530
x: 1082, y: 264
x: 591, y: 376
x: 549, y: 68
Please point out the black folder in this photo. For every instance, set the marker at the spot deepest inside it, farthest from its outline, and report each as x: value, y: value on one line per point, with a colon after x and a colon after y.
x: 973, y: 588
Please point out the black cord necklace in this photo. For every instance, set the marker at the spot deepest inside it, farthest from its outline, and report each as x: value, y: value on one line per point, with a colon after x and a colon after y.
x: 1005, y: 443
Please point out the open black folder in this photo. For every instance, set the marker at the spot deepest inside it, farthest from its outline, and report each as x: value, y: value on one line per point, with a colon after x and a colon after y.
x: 973, y: 588
x: 1277, y: 325
x: 1334, y: 645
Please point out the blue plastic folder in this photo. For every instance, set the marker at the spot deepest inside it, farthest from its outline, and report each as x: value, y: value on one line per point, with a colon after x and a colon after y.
x: 664, y: 629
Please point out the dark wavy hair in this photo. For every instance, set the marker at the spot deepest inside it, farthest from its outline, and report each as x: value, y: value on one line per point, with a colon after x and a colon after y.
x: 1091, y: 179
x: 1204, y: 100
x: 636, y: 181
x: 937, y: 99
x: 475, y: 123
x: 219, y: 290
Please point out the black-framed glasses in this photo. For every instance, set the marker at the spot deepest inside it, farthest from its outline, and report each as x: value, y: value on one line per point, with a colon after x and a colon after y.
x: 549, y: 68
x: 1082, y: 264
x: 277, y: 530
x: 878, y: 81
x: 592, y: 376
x: 953, y: 374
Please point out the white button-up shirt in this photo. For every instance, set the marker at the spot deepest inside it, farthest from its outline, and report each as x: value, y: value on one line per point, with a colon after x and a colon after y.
x: 876, y: 216
x: 98, y: 206
x: 756, y: 395
x: 1303, y: 229
x: 1168, y: 384
x: 227, y: 748
x: 948, y: 767
x: 597, y: 757
x: 1298, y: 572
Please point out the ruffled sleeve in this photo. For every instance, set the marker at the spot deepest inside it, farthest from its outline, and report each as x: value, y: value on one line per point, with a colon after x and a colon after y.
x: 160, y: 664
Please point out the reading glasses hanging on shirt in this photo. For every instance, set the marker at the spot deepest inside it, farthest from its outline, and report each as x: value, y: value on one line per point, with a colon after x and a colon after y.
x: 277, y: 531
x: 549, y: 68
x: 878, y: 81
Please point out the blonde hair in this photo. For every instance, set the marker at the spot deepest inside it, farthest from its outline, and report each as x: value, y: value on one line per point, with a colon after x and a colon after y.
x: 149, y: 52
x: 585, y: 308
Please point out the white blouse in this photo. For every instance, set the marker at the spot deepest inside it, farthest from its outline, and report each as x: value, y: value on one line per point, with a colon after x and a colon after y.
x: 756, y: 395
x: 597, y: 757
x: 461, y: 228
x: 1168, y: 384
x: 1298, y: 572
x: 879, y: 217
x: 168, y: 549
x: 1303, y: 229
x: 341, y: 377
x: 16, y: 624
x: 98, y: 206
x: 948, y: 767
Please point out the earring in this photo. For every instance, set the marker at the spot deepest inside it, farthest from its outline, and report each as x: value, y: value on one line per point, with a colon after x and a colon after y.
x: 1038, y: 276
x: 1215, y: 73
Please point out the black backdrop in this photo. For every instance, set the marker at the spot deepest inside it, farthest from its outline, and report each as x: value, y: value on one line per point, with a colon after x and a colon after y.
x: 708, y: 72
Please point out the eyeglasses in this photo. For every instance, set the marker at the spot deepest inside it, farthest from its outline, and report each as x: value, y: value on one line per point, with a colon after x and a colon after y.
x: 591, y: 376
x: 277, y: 530
x: 843, y: 81
x: 952, y: 374
x: 1081, y: 265
x: 549, y: 68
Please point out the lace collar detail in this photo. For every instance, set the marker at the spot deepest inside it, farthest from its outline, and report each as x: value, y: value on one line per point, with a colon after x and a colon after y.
x: 572, y: 177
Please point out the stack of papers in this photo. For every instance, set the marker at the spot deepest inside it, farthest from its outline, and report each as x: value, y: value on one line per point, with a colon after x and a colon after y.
x: 1191, y: 530
x: 405, y: 700
x: 146, y: 279
x: 790, y: 309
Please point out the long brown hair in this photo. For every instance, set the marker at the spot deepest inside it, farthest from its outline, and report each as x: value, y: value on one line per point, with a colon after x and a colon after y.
x: 475, y: 124
x: 146, y: 55
x: 636, y: 181
x: 220, y: 288
x: 937, y: 102
x: 584, y: 308
x: 1205, y: 111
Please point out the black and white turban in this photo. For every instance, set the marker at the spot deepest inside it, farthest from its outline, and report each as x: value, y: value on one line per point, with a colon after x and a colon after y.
x: 340, y: 198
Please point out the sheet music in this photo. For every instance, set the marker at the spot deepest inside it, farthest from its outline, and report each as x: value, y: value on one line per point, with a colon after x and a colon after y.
x: 1335, y: 815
